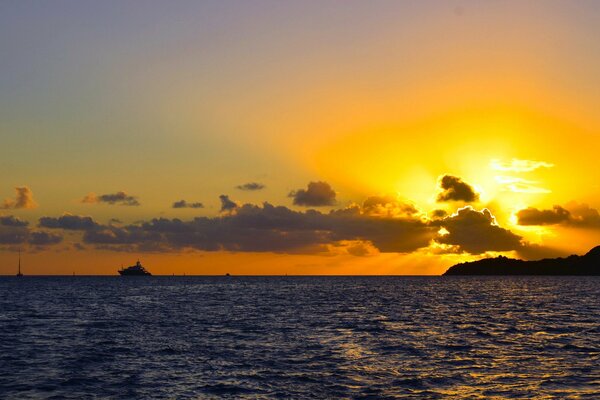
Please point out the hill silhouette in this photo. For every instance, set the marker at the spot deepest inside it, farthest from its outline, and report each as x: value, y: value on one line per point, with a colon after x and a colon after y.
x: 588, y: 264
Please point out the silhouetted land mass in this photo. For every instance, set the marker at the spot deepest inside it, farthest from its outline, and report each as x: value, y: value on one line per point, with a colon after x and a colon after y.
x: 588, y: 264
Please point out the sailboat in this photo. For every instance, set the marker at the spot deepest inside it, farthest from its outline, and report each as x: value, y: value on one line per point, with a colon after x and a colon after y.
x: 19, y: 273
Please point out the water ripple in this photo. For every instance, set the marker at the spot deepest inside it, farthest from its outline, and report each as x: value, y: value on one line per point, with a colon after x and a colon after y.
x: 300, y: 337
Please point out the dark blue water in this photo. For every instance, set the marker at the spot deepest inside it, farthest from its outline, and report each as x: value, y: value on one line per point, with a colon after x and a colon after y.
x: 300, y: 337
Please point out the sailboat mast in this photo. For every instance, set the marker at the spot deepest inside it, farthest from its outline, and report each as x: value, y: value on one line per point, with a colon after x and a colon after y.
x: 19, y: 272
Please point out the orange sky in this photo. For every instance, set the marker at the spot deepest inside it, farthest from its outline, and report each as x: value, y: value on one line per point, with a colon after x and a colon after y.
x: 355, y: 110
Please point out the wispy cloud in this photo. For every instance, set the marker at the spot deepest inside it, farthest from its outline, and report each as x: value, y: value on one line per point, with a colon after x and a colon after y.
x: 520, y: 185
x: 517, y: 165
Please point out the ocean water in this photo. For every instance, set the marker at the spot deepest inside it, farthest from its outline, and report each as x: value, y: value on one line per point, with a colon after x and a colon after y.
x: 299, y: 337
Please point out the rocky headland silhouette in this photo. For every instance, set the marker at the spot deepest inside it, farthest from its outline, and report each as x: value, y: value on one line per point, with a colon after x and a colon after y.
x: 588, y: 264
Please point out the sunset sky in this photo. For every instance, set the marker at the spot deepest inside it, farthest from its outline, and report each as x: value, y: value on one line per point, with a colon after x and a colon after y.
x: 307, y: 137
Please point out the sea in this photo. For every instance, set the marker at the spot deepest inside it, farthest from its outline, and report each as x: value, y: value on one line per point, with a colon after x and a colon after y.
x: 299, y: 337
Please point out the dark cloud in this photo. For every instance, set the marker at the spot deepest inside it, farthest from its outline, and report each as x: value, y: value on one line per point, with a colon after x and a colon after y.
x: 533, y: 216
x: 227, y: 205
x: 455, y: 189
x: 120, y: 198
x: 438, y: 214
x: 23, y: 199
x: 268, y: 228
x: 44, y: 238
x: 315, y: 195
x: 185, y: 204
x: 388, y: 205
x: 16, y: 231
x: 583, y: 215
x: 572, y: 214
x: 476, y: 232
x: 13, y: 234
x: 68, y: 222
x: 530, y: 251
x: 251, y: 186
x: 357, y: 230
x: 79, y: 246
x: 10, y: 220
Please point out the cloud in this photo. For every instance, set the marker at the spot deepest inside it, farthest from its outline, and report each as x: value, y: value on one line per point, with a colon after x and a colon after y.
x: 438, y: 214
x: 41, y: 238
x: 68, y: 222
x: 455, y: 189
x: 533, y: 216
x: 269, y: 229
x: 10, y: 220
x: 13, y: 234
x: 360, y: 248
x: 16, y: 231
x: 573, y: 214
x: 516, y: 165
x: 23, y: 199
x: 227, y: 205
x: 251, y: 186
x: 185, y: 204
x: 120, y: 198
x: 388, y: 205
x: 317, y: 194
x: 476, y: 232
x: 520, y: 185
x: 382, y: 224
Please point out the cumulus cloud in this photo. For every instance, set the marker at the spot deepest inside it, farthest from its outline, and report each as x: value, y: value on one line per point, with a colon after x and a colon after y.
x: 269, y: 228
x: 185, y: 204
x: 251, y: 186
x: 516, y: 165
x: 573, y: 214
x: 10, y: 220
x: 279, y: 229
x: 438, y: 214
x: 388, y: 206
x: 360, y: 248
x: 227, y: 205
x: 476, y: 232
x: 42, y: 238
x: 15, y: 231
x: 23, y: 199
x: 120, y: 198
x: 13, y: 235
x: 317, y: 194
x: 68, y: 222
x: 533, y: 216
x: 454, y: 188
x: 381, y: 224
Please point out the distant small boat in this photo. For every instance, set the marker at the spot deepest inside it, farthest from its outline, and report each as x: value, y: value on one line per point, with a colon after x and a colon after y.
x: 19, y: 273
x: 134, y: 270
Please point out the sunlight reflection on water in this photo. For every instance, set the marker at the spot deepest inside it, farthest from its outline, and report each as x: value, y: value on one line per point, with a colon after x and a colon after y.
x: 300, y: 337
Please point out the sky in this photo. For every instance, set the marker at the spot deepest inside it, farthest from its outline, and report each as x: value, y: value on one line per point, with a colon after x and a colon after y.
x: 280, y: 137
